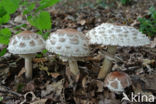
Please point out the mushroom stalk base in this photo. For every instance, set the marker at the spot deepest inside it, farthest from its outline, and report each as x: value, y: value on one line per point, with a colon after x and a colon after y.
x: 74, y: 67
x: 107, y: 63
x: 28, y: 65
x: 28, y: 68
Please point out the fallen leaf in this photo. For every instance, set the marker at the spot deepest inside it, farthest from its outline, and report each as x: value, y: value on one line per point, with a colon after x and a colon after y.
x: 55, y: 87
x: 39, y: 101
x: 54, y: 75
x: 22, y: 71
x: 153, y: 43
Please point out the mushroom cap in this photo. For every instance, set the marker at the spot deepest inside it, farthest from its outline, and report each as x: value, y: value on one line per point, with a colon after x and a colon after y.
x: 68, y: 43
x: 114, y: 35
x: 26, y: 42
x: 117, y: 81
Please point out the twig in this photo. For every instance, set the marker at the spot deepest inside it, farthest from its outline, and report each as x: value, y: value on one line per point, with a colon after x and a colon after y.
x: 3, y: 89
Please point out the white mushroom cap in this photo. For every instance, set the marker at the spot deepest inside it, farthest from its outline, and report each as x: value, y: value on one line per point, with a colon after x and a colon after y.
x: 26, y: 42
x: 68, y: 43
x: 114, y: 35
x: 117, y: 81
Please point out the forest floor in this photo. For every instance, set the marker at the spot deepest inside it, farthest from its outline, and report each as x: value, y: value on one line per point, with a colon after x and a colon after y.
x: 51, y: 84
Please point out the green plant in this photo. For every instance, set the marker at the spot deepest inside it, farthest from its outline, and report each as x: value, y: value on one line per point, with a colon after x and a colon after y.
x: 7, y: 7
x: 5, y: 35
x: 1, y: 98
x: 125, y: 2
x: 42, y: 21
x: 105, y: 3
x: 148, y: 23
x: 3, y: 51
x: 37, y: 16
x: 34, y: 11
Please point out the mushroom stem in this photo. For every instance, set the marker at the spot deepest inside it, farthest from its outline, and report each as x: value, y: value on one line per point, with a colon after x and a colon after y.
x: 107, y: 63
x: 73, y: 67
x: 28, y: 65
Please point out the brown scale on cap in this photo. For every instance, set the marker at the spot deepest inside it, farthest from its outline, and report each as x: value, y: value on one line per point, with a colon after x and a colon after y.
x: 22, y: 45
x: 67, y: 47
x: 13, y: 38
x: 125, y: 35
x: 117, y: 74
x: 110, y: 30
x: 40, y: 41
x: 85, y: 48
x: 26, y: 37
x: 36, y: 36
x: 25, y: 34
x: 125, y: 32
x: 93, y: 32
x: 74, y: 41
x: 85, y: 45
x: 32, y: 43
x: 118, y: 30
x: 61, y: 34
x: 134, y: 38
x: 18, y: 36
x: 53, y: 37
x: 101, y: 32
x: 52, y: 42
x: 14, y: 42
x: 67, y: 30
x: 62, y: 39
x: 77, y: 50
x: 114, y: 84
x: 58, y: 47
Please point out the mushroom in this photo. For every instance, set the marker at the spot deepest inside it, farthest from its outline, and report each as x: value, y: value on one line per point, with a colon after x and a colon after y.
x: 112, y: 36
x: 26, y: 44
x: 70, y: 45
x: 117, y: 81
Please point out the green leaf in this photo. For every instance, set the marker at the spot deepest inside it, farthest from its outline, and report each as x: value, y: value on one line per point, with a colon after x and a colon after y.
x: 44, y: 51
x: 45, y: 35
x: 2, y: 11
x: 5, y: 35
x: 29, y: 8
x: 41, y: 21
x: 46, y: 3
x: 152, y: 12
x: 4, y: 19
x: 39, y: 55
x: 3, y: 51
x: 1, y: 98
x: 10, y: 5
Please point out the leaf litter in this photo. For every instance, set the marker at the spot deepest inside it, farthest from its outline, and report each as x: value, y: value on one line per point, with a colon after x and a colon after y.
x: 50, y: 83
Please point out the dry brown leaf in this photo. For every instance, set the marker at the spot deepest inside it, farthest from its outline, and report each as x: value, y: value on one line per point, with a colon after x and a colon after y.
x: 54, y: 75
x: 85, y: 101
x: 55, y: 87
x: 153, y: 43
x: 39, y: 101
x: 39, y: 60
x: 21, y: 72
x: 82, y: 22
x: 150, y: 81
x: 30, y: 86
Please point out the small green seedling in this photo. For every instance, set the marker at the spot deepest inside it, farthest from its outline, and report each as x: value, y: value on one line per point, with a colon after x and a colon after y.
x: 148, y: 23
x: 125, y: 2
x: 1, y: 98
